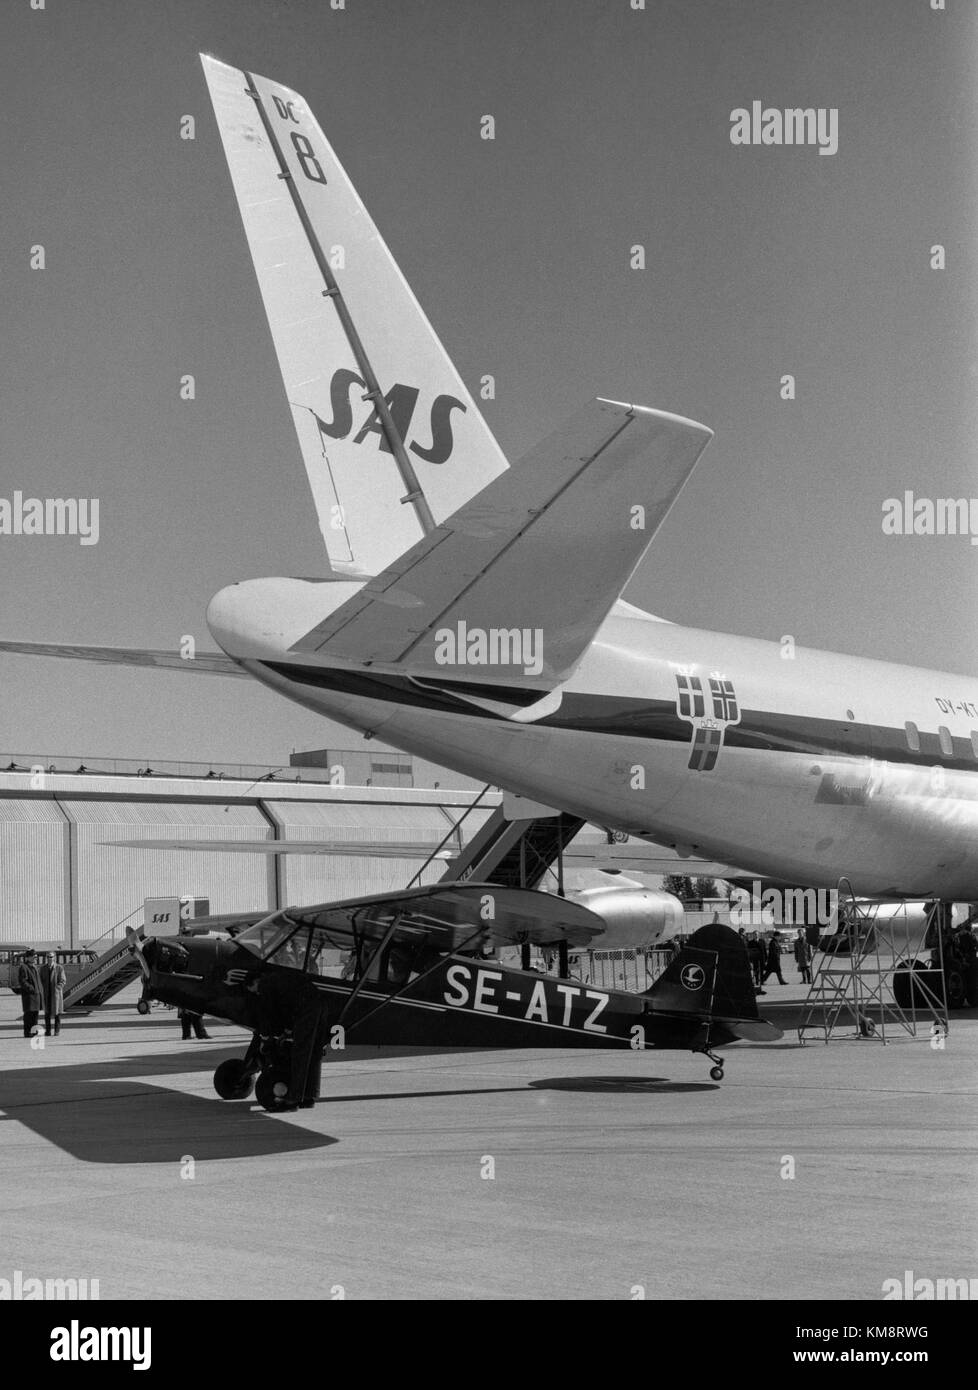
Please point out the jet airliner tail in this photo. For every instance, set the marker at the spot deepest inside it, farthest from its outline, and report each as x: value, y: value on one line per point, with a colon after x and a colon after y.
x: 392, y: 441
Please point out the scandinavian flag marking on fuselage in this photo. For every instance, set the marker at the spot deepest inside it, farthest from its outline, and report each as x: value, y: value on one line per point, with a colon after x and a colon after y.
x: 706, y: 733
x: 690, y: 697
x: 724, y: 699
x: 706, y: 746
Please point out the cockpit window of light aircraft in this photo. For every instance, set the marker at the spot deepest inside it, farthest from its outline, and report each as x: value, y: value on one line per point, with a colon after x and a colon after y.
x: 281, y: 942
x: 266, y: 938
x: 308, y: 949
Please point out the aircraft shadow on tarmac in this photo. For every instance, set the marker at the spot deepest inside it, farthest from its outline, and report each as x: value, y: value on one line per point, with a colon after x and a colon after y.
x: 103, y: 1112
x: 639, y: 1085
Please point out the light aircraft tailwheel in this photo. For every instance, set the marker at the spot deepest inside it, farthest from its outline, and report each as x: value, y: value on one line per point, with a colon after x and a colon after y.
x: 716, y: 1073
x: 232, y: 1081
x: 271, y: 1089
x: 143, y: 1006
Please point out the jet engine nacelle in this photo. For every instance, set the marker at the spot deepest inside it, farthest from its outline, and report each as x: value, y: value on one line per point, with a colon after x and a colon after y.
x: 633, y: 916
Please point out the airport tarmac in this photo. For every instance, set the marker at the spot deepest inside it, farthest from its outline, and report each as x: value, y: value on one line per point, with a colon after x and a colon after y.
x: 544, y: 1174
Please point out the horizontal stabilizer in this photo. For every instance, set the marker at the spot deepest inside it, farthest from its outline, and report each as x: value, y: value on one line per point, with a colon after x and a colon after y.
x: 204, y: 663
x: 754, y: 1029
x: 530, y: 568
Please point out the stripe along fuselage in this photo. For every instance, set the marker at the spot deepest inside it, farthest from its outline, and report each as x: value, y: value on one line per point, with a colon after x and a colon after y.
x: 461, y: 1002
x: 793, y: 764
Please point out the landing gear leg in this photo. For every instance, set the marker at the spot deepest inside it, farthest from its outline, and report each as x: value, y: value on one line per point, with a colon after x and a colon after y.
x: 716, y: 1071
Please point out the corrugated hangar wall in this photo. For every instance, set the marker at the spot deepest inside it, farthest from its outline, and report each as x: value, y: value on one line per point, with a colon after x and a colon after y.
x: 61, y: 880
x: 110, y: 884
x: 34, y: 900
x: 314, y: 878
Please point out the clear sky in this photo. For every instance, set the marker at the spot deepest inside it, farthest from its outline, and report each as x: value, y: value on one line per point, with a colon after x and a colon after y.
x: 612, y: 128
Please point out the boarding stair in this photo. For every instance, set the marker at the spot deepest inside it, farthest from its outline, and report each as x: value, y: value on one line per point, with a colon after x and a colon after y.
x: 107, y: 975
x: 513, y: 853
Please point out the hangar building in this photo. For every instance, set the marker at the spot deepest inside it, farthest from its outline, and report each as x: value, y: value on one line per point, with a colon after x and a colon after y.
x: 63, y: 883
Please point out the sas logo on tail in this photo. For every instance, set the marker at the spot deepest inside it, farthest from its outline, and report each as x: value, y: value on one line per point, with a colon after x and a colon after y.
x: 401, y: 401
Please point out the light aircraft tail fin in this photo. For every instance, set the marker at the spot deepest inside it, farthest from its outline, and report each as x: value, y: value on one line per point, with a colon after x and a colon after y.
x: 392, y: 441
x: 711, y: 977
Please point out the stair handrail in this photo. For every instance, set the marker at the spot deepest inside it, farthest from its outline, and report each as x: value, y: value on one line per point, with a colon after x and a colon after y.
x: 449, y: 833
x: 110, y: 931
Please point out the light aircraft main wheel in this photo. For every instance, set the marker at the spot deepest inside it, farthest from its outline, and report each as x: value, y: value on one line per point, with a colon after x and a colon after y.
x: 232, y: 1081
x: 143, y: 1006
x: 272, y: 1087
x: 716, y: 1073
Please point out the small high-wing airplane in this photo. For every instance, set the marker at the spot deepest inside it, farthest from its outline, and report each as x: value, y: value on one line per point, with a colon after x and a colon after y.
x: 472, y: 613
x: 417, y: 975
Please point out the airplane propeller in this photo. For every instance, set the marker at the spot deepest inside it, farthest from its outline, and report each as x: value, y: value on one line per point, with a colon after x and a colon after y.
x: 135, y: 947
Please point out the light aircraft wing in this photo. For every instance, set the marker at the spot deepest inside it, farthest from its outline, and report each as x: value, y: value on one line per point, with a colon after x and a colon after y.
x: 546, y: 548
x: 476, y: 914
x: 203, y: 664
x: 394, y: 850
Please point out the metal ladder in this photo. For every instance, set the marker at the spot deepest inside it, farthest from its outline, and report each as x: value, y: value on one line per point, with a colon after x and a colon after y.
x: 848, y: 984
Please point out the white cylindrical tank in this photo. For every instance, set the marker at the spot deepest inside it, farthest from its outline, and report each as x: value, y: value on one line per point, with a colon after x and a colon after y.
x: 634, y: 916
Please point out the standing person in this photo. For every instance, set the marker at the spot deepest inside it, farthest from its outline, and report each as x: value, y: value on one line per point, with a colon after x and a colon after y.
x: 188, y: 1019
x: 288, y: 1001
x: 773, y: 963
x: 967, y: 952
x: 803, y: 956
x: 53, y: 981
x: 755, y: 951
x: 29, y: 984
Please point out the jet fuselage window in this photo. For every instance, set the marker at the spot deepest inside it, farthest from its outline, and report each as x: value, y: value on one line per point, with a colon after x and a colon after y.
x: 947, y: 742
x: 913, y: 737
x: 974, y: 744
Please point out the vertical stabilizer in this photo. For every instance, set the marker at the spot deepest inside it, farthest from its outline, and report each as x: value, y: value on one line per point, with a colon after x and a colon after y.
x: 380, y: 412
x: 709, y: 976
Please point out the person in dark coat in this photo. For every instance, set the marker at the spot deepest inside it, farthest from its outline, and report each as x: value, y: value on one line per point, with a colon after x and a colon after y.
x: 803, y: 957
x: 53, y: 981
x: 755, y: 953
x: 967, y: 953
x: 188, y: 1019
x: 31, y: 993
x: 288, y: 1001
x: 773, y: 962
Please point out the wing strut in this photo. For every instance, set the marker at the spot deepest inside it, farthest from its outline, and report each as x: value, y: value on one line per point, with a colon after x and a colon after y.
x: 396, y: 921
x: 479, y: 931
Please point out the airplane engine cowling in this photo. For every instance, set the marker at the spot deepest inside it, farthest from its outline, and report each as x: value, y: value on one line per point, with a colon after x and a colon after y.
x: 633, y: 916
